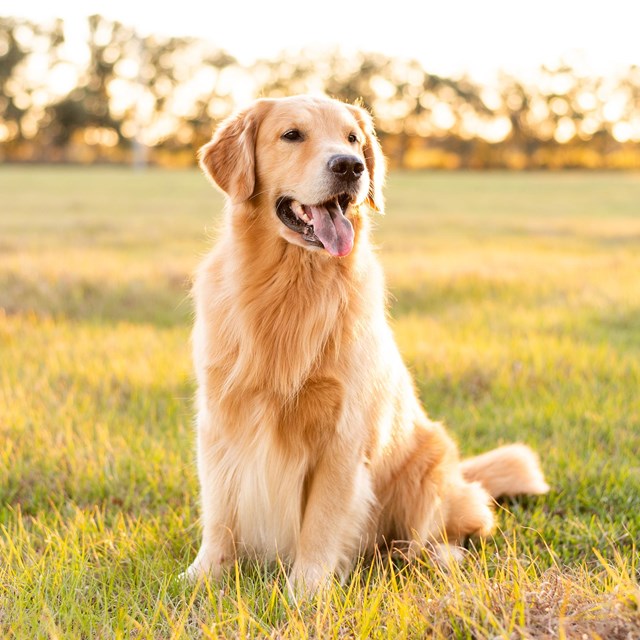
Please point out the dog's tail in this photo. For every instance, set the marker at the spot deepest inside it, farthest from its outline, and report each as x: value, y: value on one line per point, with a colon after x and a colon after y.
x: 506, y: 471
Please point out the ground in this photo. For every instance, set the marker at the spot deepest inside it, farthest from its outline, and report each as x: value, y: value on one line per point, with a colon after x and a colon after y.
x: 515, y: 299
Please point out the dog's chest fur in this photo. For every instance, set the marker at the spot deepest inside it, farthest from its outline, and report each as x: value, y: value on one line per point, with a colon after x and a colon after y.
x: 268, y: 361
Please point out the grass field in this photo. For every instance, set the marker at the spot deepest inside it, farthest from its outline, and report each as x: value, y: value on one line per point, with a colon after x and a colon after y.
x: 516, y: 302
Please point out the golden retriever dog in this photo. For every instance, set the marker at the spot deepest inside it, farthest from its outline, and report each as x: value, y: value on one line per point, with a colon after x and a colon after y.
x: 312, y: 446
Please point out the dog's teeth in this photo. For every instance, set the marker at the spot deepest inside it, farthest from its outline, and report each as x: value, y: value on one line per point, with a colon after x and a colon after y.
x: 299, y: 210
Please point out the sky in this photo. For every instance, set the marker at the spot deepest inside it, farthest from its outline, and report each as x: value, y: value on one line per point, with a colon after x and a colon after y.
x: 449, y: 37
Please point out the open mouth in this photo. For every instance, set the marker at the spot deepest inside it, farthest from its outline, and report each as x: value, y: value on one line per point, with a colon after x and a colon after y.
x: 322, y: 225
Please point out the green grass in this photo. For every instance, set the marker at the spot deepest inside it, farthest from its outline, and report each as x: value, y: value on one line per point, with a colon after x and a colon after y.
x: 516, y: 303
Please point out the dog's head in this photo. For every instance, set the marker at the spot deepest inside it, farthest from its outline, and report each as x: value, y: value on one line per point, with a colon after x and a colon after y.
x: 309, y: 162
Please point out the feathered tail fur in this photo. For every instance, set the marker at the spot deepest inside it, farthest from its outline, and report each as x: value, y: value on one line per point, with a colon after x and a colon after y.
x: 510, y: 470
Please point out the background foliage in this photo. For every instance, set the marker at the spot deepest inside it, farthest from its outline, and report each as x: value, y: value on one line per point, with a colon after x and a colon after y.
x: 122, y: 97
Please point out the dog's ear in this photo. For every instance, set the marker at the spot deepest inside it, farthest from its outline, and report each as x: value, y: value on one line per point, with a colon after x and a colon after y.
x: 374, y: 158
x: 229, y: 159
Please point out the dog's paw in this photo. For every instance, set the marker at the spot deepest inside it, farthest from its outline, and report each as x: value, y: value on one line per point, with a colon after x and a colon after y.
x: 447, y: 555
x: 206, y: 565
x: 307, y: 579
x: 442, y: 554
x: 192, y: 574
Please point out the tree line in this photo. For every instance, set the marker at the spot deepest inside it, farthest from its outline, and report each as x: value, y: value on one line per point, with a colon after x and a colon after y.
x: 113, y: 95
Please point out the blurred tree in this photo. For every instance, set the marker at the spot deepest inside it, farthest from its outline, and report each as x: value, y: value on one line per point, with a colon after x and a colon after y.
x: 212, y: 101
x: 401, y: 94
x: 88, y: 104
x: 24, y: 93
x: 621, y: 114
x: 166, y: 94
x: 13, y: 103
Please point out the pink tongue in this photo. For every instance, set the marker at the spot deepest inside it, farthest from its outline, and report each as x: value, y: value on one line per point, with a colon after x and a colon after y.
x: 332, y: 229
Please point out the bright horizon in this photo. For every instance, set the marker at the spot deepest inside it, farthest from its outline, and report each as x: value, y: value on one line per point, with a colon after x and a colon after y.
x: 451, y: 39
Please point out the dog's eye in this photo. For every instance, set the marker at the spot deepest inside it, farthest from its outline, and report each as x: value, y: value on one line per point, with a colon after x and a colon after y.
x: 293, y: 135
x: 353, y: 138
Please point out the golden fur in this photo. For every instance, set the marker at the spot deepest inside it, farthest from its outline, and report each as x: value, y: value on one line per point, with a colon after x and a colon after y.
x: 312, y: 445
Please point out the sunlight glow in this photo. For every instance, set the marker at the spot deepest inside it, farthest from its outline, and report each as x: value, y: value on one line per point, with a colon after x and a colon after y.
x: 100, y: 135
x: 614, y: 109
x: 589, y: 126
x: 481, y: 38
x: 496, y: 130
x: 627, y: 131
x: 545, y: 98
x: 442, y: 116
x: 62, y: 78
x: 565, y: 130
x: 587, y: 100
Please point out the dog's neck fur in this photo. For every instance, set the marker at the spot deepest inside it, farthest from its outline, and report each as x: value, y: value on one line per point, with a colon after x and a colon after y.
x: 297, y: 311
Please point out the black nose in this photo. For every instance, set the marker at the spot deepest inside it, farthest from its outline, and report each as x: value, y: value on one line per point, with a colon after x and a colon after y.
x: 348, y: 168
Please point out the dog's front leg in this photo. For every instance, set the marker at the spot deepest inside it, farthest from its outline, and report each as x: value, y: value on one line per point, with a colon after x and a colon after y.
x: 217, y: 548
x: 335, y: 517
